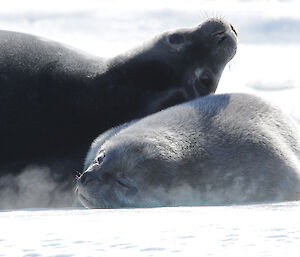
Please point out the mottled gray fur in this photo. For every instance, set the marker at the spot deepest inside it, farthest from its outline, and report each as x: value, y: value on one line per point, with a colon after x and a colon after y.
x: 221, y: 149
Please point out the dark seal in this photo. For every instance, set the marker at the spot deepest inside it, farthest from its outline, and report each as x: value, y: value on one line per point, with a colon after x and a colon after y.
x: 219, y: 149
x: 54, y: 100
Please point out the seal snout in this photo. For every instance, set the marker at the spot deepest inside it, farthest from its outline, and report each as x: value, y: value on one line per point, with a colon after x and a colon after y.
x: 215, y: 26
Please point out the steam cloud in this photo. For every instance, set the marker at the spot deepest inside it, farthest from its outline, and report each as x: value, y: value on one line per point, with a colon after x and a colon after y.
x: 37, y: 186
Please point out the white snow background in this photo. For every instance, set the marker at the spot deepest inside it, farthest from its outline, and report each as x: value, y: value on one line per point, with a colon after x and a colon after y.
x: 266, y: 64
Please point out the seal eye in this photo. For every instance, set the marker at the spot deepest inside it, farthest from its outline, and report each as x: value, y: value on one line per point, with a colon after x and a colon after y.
x: 99, y: 159
x: 176, y: 39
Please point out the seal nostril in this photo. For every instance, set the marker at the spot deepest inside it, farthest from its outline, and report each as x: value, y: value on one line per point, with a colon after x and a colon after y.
x: 233, y: 29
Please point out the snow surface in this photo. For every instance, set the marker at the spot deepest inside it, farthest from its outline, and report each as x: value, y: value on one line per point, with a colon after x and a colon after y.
x: 266, y: 64
x: 253, y: 230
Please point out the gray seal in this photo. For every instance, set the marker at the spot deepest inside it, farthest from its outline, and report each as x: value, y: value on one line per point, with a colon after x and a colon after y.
x: 57, y: 99
x: 219, y: 149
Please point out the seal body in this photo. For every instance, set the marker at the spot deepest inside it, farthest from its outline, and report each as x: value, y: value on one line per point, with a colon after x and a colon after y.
x: 54, y: 100
x: 219, y: 149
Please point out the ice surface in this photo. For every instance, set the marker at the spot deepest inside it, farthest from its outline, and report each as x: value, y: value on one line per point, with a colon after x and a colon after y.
x: 253, y: 230
x: 266, y: 64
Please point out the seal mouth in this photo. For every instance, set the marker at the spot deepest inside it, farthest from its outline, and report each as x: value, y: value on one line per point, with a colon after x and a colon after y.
x: 233, y: 29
